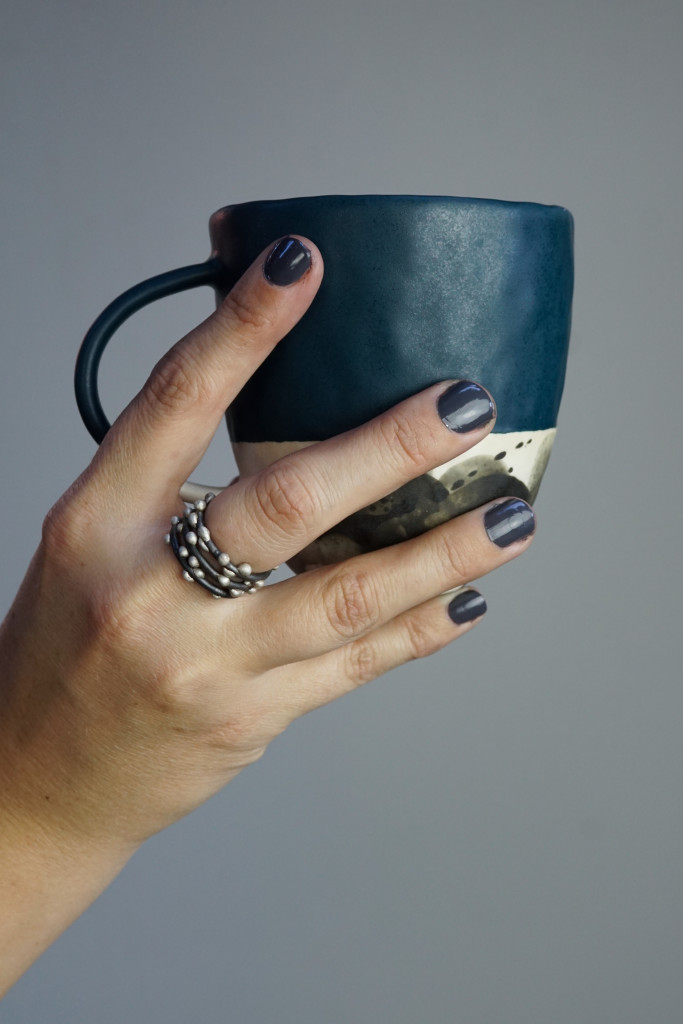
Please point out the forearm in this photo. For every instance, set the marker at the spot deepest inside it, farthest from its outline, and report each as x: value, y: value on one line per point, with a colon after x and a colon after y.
x: 46, y: 882
x: 49, y: 871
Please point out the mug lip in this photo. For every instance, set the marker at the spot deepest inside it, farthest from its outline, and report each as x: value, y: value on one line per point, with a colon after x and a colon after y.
x: 396, y: 198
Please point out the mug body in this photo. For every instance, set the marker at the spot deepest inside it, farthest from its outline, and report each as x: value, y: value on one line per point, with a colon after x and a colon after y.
x: 416, y: 290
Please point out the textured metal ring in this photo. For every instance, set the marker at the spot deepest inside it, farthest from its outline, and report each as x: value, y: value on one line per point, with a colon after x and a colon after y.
x: 204, y: 563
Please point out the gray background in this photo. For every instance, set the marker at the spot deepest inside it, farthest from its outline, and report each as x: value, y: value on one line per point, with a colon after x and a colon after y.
x: 494, y: 835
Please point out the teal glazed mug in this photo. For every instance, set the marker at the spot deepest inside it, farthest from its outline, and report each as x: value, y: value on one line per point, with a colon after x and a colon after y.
x: 416, y: 290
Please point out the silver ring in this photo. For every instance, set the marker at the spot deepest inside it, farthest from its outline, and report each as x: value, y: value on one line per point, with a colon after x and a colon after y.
x: 202, y: 562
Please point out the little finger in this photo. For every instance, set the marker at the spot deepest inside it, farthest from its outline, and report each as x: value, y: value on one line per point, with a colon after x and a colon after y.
x: 328, y: 607
x: 417, y: 633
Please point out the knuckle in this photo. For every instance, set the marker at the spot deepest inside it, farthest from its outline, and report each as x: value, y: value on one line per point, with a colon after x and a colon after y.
x: 402, y: 435
x: 240, y: 309
x: 362, y: 662
x: 118, y: 616
x: 456, y: 557
x: 351, y: 605
x: 67, y: 528
x: 177, y: 382
x: 243, y: 732
x: 61, y: 530
x: 124, y: 631
x: 284, y: 499
x: 420, y: 639
x: 169, y: 691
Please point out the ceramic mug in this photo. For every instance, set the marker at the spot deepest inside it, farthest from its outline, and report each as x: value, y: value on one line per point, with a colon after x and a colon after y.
x: 416, y: 290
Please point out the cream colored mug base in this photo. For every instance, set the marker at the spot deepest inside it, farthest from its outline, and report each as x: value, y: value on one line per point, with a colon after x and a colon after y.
x: 501, y: 464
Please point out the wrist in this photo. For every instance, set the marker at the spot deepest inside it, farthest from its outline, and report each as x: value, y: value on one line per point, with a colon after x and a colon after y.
x: 50, y: 870
x: 48, y: 878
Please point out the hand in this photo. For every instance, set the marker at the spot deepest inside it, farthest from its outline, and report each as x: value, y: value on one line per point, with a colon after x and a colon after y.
x: 130, y: 696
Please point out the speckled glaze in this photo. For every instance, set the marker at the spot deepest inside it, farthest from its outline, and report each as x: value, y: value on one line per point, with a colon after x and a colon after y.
x: 417, y: 289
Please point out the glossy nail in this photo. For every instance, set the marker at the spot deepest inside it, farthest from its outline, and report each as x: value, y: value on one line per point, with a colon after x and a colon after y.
x: 287, y: 262
x: 510, y: 521
x: 466, y: 606
x: 465, y: 406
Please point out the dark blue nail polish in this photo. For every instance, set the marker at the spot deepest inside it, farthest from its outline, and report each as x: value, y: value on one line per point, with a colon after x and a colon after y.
x: 287, y: 262
x: 466, y: 606
x: 465, y: 406
x: 510, y: 521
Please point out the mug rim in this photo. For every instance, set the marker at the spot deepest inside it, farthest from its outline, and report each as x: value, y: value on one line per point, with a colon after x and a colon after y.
x: 400, y: 198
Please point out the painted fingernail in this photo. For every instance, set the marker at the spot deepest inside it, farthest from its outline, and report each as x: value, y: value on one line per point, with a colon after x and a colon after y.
x: 510, y: 521
x: 466, y: 606
x: 288, y: 260
x: 466, y: 406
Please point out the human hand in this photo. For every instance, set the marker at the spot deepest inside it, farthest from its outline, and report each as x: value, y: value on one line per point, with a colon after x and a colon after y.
x: 130, y: 697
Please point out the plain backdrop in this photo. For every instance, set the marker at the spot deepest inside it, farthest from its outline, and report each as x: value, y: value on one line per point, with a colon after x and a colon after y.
x: 494, y: 836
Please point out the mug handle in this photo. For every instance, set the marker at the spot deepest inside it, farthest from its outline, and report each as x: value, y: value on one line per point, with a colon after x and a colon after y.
x: 212, y: 273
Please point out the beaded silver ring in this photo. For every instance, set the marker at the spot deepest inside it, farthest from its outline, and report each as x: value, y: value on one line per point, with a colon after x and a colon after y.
x: 202, y: 562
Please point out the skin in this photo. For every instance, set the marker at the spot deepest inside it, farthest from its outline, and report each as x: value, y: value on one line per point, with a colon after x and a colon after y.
x: 128, y: 696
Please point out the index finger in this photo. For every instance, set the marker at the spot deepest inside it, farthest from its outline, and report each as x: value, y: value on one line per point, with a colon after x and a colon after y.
x: 160, y: 438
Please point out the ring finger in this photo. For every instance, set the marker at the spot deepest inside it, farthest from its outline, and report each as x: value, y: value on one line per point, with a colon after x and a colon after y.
x: 329, y: 607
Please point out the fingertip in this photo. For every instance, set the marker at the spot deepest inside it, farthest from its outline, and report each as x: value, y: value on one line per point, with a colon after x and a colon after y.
x: 466, y: 607
x: 465, y: 407
x: 508, y: 521
x: 289, y: 260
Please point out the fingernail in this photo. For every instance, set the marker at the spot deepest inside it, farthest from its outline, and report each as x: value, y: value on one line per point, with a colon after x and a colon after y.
x: 288, y: 260
x: 510, y: 521
x: 466, y: 406
x: 466, y: 606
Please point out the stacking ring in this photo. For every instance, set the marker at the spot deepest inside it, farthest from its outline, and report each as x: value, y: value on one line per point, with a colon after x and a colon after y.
x: 203, y: 562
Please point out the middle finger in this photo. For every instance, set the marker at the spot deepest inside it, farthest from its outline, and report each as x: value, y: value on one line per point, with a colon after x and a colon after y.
x: 270, y: 517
